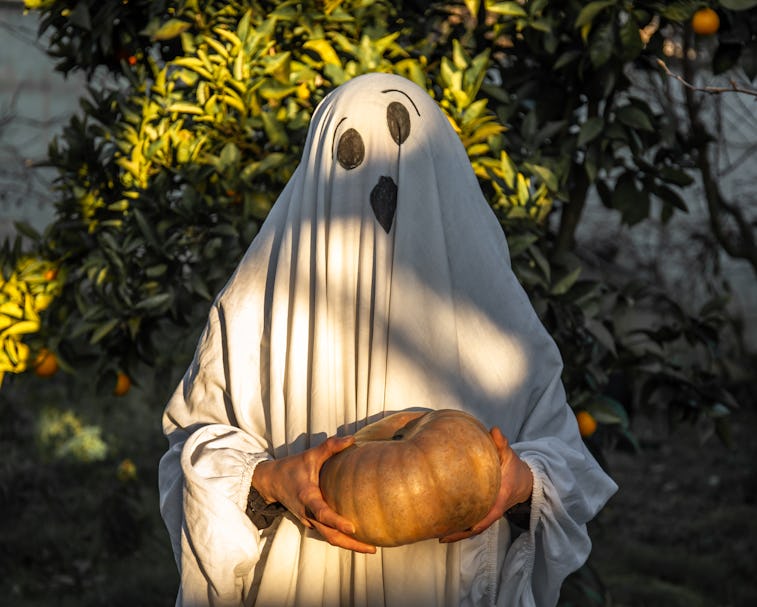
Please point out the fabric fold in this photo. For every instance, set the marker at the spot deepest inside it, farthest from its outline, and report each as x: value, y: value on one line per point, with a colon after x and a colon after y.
x: 331, y: 321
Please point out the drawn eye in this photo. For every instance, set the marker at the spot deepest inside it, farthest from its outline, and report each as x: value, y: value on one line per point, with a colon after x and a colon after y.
x: 398, y: 119
x: 350, y: 151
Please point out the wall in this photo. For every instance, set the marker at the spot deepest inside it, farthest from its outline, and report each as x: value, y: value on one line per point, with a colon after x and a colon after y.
x: 35, y: 103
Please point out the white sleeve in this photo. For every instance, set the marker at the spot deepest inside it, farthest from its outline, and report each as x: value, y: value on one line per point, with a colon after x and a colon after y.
x: 569, y: 489
x: 204, y: 489
x: 205, y: 479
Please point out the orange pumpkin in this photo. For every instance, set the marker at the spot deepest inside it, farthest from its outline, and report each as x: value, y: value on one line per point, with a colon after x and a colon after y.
x: 414, y: 475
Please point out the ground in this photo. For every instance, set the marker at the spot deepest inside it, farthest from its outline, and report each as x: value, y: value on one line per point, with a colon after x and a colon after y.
x: 682, y: 529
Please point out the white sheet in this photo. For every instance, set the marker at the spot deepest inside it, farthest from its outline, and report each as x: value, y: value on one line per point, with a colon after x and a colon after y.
x: 339, y: 314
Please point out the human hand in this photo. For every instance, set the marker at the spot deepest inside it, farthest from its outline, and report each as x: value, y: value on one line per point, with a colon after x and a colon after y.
x: 515, y: 487
x: 293, y: 482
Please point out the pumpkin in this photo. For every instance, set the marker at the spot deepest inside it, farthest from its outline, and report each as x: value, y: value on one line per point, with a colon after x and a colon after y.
x: 414, y: 475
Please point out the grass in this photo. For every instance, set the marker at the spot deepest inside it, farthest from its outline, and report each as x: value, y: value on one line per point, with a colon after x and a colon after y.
x: 680, y: 532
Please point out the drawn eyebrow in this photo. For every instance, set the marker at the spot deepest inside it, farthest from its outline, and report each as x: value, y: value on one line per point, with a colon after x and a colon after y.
x: 406, y: 95
x: 333, y: 140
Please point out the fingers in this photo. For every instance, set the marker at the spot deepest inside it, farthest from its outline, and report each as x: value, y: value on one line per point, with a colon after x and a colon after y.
x: 335, y: 444
x: 305, y: 499
x: 318, y: 510
x: 505, y: 451
x: 499, y: 440
x: 331, y: 446
x: 479, y: 527
x: 336, y: 538
x: 456, y: 537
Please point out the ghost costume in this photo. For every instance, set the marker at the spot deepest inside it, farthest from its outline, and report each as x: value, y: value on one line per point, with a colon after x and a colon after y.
x: 380, y: 281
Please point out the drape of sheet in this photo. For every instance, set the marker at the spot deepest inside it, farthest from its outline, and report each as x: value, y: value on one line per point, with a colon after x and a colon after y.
x: 379, y: 281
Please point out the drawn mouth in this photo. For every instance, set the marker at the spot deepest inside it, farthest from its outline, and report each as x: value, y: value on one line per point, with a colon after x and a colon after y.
x: 384, y: 201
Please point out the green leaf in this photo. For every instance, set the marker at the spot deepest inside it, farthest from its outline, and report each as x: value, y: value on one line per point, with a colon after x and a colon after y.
x: 726, y: 56
x: 521, y: 242
x: 185, y: 108
x: 170, y: 29
x: 629, y: 200
x: 472, y: 6
x: 636, y: 118
x: 460, y: 59
x: 671, y: 197
x: 154, y: 302
x: 324, y: 49
x: 738, y: 5
x: 199, y: 286
x: 591, y: 162
x: 230, y: 156
x: 510, y: 9
x: 590, y: 130
x: 718, y: 410
x: 80, y: 16
x: 675, y: 176
x: 630, y: 39
x: 276, y: 91
x: 147, y: 229
x: 563, y: 285
x: 156, y: 270
x: 27, y: 230
x: 607, y: 410
x: 274, y: 130
x: 103, y: 330
x: 723, y: 430
x: 566, y: 58
x: 543, y: 173
x: 749, y: 60
x: 679, y: 11
x: 602, y: 45
x: 590, y: 11
x: 601, y: 334
x: 541, y: 261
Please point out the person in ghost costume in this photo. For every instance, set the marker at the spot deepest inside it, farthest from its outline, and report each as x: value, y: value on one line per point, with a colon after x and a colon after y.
x: 380, y: 281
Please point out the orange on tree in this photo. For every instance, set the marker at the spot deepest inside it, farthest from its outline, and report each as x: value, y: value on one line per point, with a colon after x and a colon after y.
x: 45, y: 364
x: 587, y: 425
x: 705, y: 22
x: 123, y: 384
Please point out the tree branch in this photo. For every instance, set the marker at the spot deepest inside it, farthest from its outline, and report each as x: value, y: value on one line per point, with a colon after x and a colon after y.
x: 741, y: 242
x: 713, y: 90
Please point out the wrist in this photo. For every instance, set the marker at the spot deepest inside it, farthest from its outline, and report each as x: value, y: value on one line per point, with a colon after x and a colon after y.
x: 519, y: 479
x: 261, y: 481
x: 526, y: 482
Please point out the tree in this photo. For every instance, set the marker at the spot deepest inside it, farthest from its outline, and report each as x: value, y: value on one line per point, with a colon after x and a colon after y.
x: 196, y: 115
x: 172, y: 164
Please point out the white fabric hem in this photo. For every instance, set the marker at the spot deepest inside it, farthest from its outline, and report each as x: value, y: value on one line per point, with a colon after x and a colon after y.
x: 245, y: 482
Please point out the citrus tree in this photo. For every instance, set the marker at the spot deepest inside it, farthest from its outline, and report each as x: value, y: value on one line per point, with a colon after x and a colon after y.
x: 195, y: 120
x: 195, y: 117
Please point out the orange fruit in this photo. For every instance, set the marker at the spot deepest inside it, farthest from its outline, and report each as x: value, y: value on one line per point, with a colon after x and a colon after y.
x: 127, y: 471
x: 123, y: 384
x: 587, y: 425
x: 46, y: 364
x: 705, y: 22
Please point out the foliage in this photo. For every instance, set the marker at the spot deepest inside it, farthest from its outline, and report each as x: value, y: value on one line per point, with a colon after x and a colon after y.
x: 27, y: 288
x: 62, y: 435
x: 195, y: 118
x: 167, y: 175
x: 562, y: 80
x: 80, y: 533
